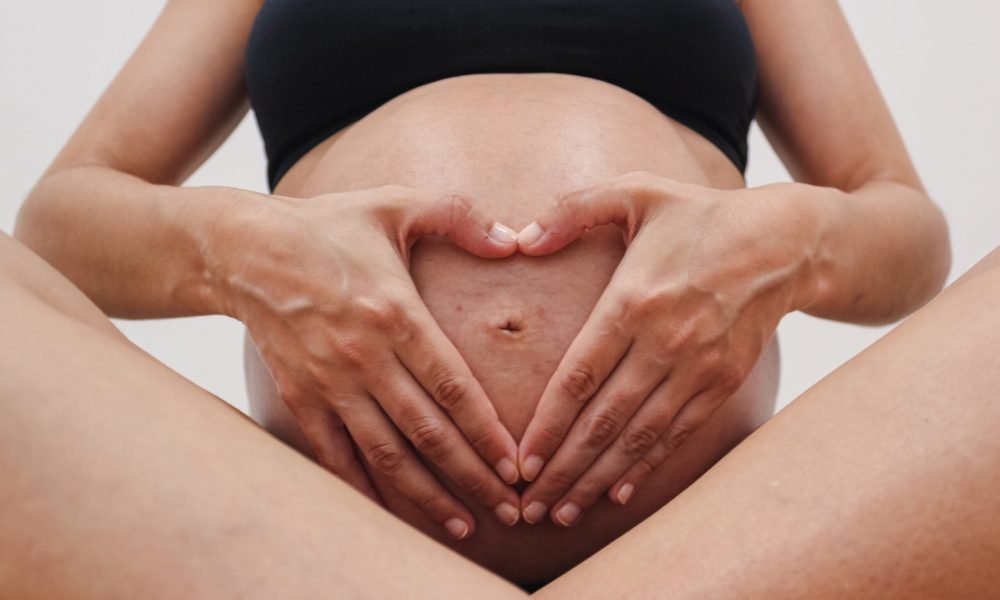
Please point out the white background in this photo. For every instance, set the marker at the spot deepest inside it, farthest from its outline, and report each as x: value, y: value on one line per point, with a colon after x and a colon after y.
x: 936, y: 63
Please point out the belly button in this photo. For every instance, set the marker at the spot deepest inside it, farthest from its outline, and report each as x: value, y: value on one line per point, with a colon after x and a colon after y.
x: 508, y: 326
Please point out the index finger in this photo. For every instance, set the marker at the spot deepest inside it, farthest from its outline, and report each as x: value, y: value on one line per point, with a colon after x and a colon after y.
x: 590, y: 359
x: 436, y: 364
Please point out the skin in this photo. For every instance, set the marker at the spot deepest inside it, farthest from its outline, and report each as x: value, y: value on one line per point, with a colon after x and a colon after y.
x: 859, y: 241
x: 122, y: 479
x: 374, y: 294
x: 512, y: 319
x: 189, y: 510
x: 152, y: 249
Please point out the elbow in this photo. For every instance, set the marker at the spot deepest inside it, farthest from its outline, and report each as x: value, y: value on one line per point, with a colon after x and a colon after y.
x: 932, y: 259
x: 916, y: 276
x: 937, y: 267
x: 32, y: 215
x: 38, y: 220
x: 43, y: 222
x: 932, y: 250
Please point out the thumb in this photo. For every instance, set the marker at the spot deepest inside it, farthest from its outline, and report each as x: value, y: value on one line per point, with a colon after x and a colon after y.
x: 577, y: 212
x: 454, y: 217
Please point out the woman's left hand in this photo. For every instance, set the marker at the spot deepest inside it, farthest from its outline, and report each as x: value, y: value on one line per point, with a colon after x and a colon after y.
x: 707, y: 276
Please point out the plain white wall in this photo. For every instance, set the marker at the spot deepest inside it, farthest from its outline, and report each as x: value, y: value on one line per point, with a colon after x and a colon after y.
x: 936, y: 63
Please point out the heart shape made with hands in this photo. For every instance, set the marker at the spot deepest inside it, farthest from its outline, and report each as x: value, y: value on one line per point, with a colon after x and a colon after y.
x: 653, y: 362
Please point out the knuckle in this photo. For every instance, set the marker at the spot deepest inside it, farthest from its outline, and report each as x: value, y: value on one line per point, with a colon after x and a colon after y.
x: 588, y: 489
x: 450, y: 390
x: 646, y: 464
x: 732, y: 378
x: 291, y: 393
x: 560, y: 479
x: 429, y: 437
x: 428, y: 502
x: 475, y: 484
x: 481, y: 439
x: 386, y: 458
x: 320, y: 374
x: 571, y: 202
x: 711, y: 358
x: 379, y: 312
x: 675, y: 339
x: 599, y: 430
x: 351, y: 351
x: 676, y: 436
x: 641, y: 304
x: 342, y: 402
x: 638, y: 440
x: 458, y: 204
x: 550, y: 434
x: 332, y: 461
x: 580, y: 381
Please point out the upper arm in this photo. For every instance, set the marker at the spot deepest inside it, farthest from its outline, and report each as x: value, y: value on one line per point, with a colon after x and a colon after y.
x: 819, y: 104
x: 177, y: 98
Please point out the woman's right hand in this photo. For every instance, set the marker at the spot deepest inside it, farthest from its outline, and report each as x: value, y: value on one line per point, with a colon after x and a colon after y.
x: 324, y: 288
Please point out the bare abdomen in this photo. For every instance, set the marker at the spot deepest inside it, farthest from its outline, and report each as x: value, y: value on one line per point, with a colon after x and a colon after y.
x: 514, y: 143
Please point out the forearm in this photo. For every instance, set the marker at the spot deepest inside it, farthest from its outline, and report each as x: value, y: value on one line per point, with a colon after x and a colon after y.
x: 137, y: 249
x: 878, y: 253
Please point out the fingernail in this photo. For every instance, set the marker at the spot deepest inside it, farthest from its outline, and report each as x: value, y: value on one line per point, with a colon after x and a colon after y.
x: 530, y: 234
x: 507, y: 471
x: 507, y: 514
x: 568, y: 514
x: 535, y: 512
x: 502, y: 233
x: 532, y: 467
x: 457, y: 528
x: 625, y: 492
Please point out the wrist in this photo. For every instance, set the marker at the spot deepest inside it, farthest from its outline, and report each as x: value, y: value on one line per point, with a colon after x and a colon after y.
x: 225, y: 227
x: 817, y: 216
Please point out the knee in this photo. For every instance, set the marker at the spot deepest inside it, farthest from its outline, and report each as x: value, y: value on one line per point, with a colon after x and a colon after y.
x: 28, y: 279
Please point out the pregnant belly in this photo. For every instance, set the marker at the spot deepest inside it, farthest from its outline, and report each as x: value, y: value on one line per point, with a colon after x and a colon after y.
x: 513, y: 143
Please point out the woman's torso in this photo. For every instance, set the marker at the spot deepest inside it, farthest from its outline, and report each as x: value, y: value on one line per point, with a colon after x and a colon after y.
x: 514, y: 142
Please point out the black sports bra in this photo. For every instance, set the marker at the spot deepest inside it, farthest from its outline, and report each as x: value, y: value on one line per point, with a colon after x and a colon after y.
x: 315, y: 66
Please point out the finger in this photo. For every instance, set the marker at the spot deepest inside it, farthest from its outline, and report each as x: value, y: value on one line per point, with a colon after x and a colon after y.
x: 437, y: 366
x: 455, y: 217
x: 688, y: 420
x: 597, y: 427
x: 642, y: 433
x: 433, y: 434
x: 334, y: 450
x: 385, y: 450
x: 591, y: 357
x: 618, y: 200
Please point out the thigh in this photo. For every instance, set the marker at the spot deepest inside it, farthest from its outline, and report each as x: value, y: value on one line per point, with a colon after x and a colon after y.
x: 878, y: 482
x: 26, y: 279
x: 123, y: 479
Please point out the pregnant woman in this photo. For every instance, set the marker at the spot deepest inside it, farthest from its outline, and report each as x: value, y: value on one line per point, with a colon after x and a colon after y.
x: 595, y: 331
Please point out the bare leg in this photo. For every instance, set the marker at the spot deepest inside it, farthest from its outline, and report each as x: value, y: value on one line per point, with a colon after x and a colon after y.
x: 121, y: 479
x: 882, y: 481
